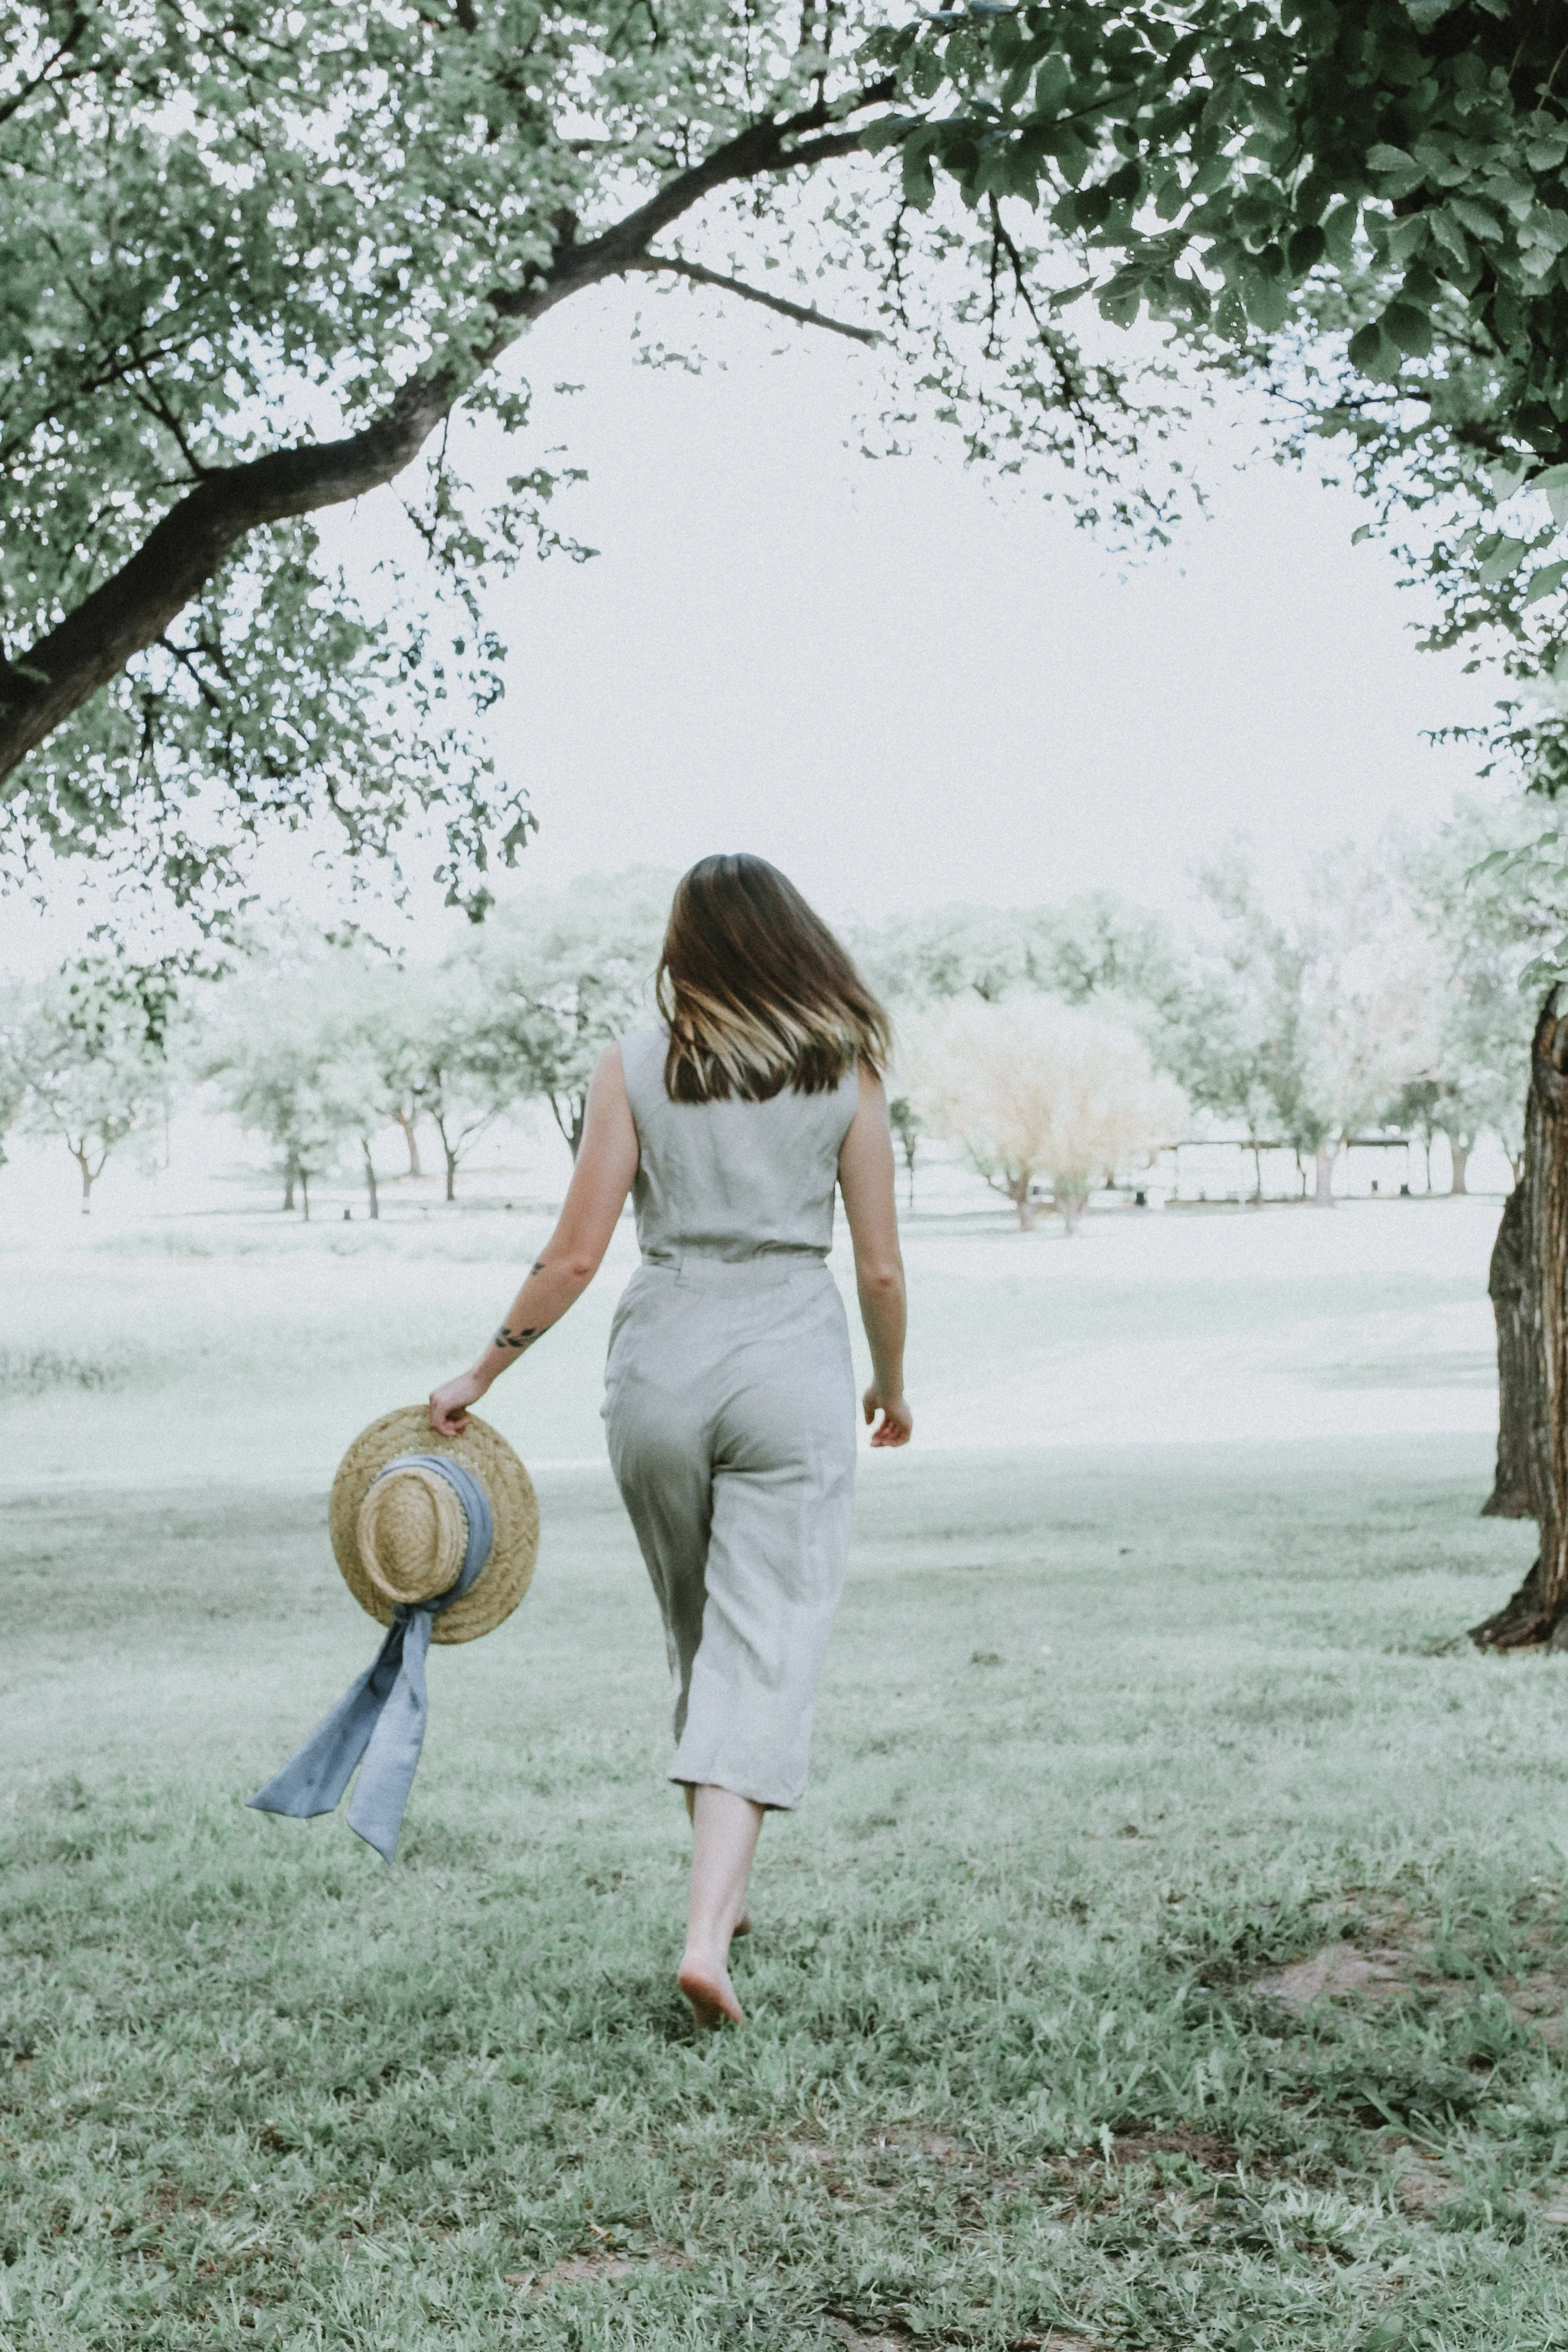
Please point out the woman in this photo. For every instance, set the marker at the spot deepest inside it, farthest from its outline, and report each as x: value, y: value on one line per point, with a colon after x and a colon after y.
x: 730, y: 1401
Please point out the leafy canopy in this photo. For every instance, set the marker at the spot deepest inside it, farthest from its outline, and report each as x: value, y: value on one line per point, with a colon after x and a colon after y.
x: 1362, y: 205
x: 260, y: 259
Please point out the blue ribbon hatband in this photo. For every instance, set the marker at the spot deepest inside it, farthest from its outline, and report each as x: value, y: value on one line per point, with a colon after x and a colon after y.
x: 381, y: 1715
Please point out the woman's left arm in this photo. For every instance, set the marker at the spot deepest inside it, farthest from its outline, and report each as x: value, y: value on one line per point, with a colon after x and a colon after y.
x: 607, y: 1165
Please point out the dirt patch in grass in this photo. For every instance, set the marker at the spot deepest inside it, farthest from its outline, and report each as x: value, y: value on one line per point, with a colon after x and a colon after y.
x: 600, y: 2263
x: 1339, y: 1973
x: 1541, y: 2000
x: 1424, y: 2185
x: 1202, y: 2148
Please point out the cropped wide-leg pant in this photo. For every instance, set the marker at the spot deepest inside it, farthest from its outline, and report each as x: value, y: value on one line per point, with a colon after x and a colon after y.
x: 730, y: 1409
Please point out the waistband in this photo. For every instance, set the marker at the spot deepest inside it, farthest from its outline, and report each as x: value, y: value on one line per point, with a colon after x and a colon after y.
x: 765, y: 1272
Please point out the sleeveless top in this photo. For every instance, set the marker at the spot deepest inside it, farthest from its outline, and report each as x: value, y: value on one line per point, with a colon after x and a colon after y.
x: 733, y: 1180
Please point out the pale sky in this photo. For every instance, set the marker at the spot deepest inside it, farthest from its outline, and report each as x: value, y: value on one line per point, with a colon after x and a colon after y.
x: 906, y: 688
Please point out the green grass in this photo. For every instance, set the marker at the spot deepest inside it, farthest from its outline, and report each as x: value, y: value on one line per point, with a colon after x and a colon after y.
x: 1105, y: 1738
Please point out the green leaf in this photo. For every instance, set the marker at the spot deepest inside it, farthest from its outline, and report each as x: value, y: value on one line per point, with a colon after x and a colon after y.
x: 1339, y: 233
x: 1373, y: 354
x: 1503, y: 560
x: 1267, y: 301
x: 1545, y: 582
x: 1410, y: 328
x: 1475, y: 218
x: 1408, y: 237
x: 1391, y: 159
x: 1052, y: 84
x: 1448, y: 234
x: 1305, y: 250
x: 1553, y: 483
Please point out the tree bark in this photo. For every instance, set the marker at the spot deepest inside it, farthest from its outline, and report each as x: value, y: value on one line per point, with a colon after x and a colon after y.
x: 1509, y: 1497
x: 1460, y: 1153
x: 288, y: 1175
x: 79, y: 1153
x: 1324, y: 1174
x: 305, y: 1193
x: 411, y: 1137
x: 450, y: 1156
x: 1072, y: 1206
x: 1532, y: 1351
x: 370, y: 1178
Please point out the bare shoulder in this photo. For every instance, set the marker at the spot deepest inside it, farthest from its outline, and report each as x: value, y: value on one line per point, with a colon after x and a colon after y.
x: 610, y: 1071
x: 873, y: 1094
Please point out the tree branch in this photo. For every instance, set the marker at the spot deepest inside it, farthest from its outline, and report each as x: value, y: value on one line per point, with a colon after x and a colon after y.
x: 653, y: 265
x: 125, y: 614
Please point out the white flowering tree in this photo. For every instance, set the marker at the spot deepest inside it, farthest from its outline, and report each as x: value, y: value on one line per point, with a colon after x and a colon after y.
x: 1042, y: 1094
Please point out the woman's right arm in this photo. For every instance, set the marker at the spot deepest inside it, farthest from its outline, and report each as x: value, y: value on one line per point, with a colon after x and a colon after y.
x: 606, y: 1164
x: 866, y: 1179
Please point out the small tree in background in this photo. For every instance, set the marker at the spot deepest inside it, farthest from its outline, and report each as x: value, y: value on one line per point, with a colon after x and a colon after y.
x: 1034, y: 1090
x: 287, y: 1069
x: 551, y: 981
x: 905, y: 1122
x: 90, y: 1045
x: 1484, y: 927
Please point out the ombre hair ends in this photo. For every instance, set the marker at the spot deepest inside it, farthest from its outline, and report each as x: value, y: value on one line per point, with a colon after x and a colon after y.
x: 757, y: 993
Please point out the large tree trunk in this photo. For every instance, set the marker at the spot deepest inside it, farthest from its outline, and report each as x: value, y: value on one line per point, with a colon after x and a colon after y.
x: 370, y: 1178
x: 1460, y: 1153
x: 289, y: 1186
x: 1532, y: 1350
x: 1323, y: 1173
x: 1509, y: 1497
x: 79, y: 1153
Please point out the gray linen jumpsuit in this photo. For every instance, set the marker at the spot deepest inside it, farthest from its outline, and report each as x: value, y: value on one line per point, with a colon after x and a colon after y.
x: 730, y: 1408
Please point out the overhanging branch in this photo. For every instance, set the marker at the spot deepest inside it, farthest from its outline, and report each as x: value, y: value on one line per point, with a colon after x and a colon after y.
x: 654, y: 265
x: 41, y: 688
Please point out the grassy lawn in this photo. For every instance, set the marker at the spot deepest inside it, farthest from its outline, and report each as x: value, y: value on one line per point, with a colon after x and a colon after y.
x: 1170, y: 1951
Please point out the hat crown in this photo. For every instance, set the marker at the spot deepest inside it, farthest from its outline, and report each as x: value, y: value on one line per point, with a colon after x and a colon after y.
x: 413, y: 1534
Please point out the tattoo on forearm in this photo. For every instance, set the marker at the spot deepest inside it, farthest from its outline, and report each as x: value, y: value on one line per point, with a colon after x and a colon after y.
x: 538, y: 1266
x: 507, y: 1337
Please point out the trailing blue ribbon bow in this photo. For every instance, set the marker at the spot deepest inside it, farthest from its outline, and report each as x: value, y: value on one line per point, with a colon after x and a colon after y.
x: 381, y: 1715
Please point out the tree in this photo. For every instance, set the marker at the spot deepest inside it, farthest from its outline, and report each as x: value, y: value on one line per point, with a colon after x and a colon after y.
x: 91, y: 1047
x: 1324, y: 1014
x: 1217, y: 1028
x: 1094, y: 945
x: 905, y: 1121
x: 291, y: 1068
x: 1533, y: 1333
x: 1360, y: 207
x: 261, y: 262
x: 1034, y: 1090
x: 458, y: 1083
x: 1486, y: 930
x: 555, y: 977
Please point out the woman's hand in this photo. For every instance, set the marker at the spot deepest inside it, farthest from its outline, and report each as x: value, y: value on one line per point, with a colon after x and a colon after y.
x: 896, y: 1425
x: 449, y: 1406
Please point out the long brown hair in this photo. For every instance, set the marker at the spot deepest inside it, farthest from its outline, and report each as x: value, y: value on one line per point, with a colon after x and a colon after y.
x: 757, y: 991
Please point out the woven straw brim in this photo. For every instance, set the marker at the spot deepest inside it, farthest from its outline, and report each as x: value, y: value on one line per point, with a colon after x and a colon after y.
x: 505, y: 1576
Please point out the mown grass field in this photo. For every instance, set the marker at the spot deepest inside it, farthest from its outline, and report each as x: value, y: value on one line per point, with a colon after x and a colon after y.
x: 1172, y: 1951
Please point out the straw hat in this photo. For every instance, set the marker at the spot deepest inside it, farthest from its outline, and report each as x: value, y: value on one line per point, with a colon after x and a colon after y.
x: 406, y: 1541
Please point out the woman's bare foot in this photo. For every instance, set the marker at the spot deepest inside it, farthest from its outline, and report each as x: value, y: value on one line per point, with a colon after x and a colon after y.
x: 706, y: 1984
